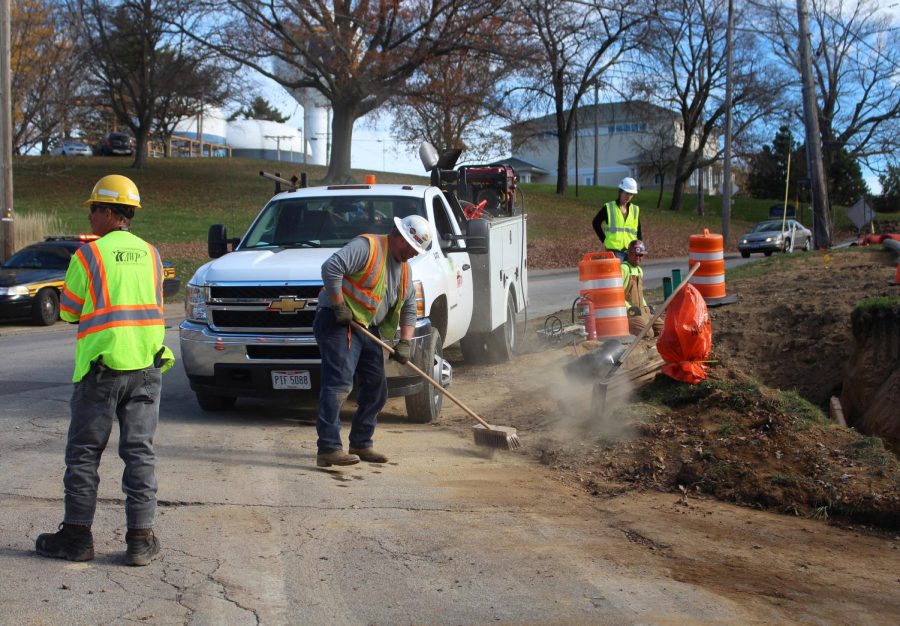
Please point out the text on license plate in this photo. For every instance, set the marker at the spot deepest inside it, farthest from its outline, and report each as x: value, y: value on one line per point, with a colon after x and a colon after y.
x: 290, y: 379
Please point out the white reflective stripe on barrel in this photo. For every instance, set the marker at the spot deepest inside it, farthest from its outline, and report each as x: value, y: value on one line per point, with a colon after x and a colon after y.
x: 708, y: 280
x: 706, y: 256
x: 605, y: 283
x: 617, y: 311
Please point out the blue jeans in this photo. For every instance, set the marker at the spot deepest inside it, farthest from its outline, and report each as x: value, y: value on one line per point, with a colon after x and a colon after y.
x: 101, y: 396
x: 362, y: 359
x: 622, y: 255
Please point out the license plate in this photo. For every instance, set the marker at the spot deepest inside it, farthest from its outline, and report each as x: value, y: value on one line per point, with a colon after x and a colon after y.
x: 290, y: 379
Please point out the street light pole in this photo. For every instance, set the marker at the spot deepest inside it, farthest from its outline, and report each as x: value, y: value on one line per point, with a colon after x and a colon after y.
x: 6, y: 190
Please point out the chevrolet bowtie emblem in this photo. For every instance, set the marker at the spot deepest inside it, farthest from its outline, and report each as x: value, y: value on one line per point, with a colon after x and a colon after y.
x: 287, y: 305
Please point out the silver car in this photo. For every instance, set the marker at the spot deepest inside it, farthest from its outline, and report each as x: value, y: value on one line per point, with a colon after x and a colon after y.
x: 72, y: 148
x: 776, y: 236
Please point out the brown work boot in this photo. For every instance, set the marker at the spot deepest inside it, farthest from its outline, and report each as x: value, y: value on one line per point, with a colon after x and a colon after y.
x: 336, y: 457
x: 142, y: 546
x: 369, y: 455
x: 70, y: 542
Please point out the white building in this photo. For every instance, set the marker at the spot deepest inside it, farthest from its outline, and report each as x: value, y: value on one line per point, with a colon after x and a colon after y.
x: 634, y: 139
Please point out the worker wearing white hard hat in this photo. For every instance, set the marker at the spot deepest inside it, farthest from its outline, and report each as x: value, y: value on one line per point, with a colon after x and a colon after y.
x: 367, y: 281
x: 623, y: 219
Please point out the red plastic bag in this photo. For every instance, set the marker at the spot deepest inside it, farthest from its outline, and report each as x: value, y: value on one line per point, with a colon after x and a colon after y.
x: 686, y: 339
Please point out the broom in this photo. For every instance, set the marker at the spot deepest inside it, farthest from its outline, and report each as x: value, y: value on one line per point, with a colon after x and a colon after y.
x: 500, y: 437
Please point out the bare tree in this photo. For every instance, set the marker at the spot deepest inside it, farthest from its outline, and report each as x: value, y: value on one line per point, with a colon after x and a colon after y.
x: 856, y: 67
x: 357, y: 55
x: 655, y: 154
x: 687, y: 73
x: 138, y: 60
x: 576, y: 43
x: 46, y: 69
x: 451, y: 103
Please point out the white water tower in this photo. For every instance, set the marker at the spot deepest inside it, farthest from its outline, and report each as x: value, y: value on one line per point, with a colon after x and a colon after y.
x: 316, y: 116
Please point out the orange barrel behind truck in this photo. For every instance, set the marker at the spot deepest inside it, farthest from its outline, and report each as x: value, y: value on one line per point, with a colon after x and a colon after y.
x: 708, y: 250
x: 600, y: 274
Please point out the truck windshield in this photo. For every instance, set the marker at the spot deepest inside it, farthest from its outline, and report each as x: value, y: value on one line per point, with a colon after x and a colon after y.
x: 327, y: 221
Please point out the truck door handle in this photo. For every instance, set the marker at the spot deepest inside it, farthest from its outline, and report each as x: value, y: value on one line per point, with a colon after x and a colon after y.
x: 466, y: 267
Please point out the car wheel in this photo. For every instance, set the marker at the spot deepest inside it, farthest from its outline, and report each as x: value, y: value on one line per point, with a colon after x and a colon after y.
x: 746, y: 255
x: 808, y: 245
x: 213, y: 402
x: 45, y: 310
x: 768, y: 253
x: 425, y: 406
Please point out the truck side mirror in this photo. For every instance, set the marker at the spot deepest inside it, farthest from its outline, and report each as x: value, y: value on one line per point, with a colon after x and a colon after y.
x: 477, y: 236
x: 217, y: 241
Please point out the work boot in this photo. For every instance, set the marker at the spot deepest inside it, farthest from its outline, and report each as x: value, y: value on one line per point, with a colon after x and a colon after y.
x: 142, y: 546
x: 369, y: 455
x: 336, y: 457
x: 70, y: 542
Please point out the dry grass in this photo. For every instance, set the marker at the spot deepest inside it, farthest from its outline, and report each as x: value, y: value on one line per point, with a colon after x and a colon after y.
x: 33, y: 227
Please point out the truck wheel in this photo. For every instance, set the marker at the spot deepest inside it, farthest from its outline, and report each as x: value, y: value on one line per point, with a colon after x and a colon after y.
x: 213, y: 402
x: 45, y: 309
x: 503, y: 341
x: 425, y: 406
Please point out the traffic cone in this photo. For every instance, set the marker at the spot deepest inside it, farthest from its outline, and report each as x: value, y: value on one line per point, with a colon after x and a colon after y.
x: 897, y: 277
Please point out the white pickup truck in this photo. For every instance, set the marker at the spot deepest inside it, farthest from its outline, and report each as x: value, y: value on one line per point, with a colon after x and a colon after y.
x: 249, y: 312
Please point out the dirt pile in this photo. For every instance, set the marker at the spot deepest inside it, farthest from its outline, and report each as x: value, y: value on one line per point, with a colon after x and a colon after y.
x: 753, y: 434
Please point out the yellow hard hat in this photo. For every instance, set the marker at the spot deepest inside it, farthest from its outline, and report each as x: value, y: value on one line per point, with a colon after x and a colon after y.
x: 115, y: 189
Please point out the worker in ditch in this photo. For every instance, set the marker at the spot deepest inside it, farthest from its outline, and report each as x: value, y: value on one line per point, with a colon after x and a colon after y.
x: 367, y: 281
x: 113, y: 291
x: 623, y: 219
x: 639, y: 312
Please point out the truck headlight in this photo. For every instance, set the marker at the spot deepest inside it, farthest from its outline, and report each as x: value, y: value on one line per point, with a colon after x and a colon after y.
x: 18, y: 290
x: 195, y: 303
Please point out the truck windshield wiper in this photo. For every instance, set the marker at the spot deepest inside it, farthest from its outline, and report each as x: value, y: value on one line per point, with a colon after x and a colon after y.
x: 302, y: 244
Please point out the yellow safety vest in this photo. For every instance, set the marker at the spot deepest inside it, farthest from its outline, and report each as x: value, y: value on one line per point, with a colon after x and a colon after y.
x: 621, y: 231
x: 629, y: 270
x: 364, y: 290
x: 113, y: 290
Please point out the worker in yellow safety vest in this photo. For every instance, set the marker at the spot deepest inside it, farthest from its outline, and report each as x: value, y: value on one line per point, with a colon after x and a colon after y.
x: 368, y: 280
x: 623, y: 219
x: 639, y: 312
x: 113, y: 291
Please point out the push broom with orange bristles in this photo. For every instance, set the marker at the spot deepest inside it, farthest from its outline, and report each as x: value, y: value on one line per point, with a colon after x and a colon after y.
x: 498, y: 437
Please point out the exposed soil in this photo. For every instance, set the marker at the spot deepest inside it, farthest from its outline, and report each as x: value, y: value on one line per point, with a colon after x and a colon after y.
x: 736, y: 436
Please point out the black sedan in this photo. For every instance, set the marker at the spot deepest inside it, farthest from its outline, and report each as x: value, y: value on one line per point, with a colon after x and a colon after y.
x: 32, y: 279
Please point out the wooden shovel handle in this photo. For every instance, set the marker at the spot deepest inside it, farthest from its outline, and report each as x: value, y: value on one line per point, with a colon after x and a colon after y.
x: 656, y: 315
x: 418, y: 371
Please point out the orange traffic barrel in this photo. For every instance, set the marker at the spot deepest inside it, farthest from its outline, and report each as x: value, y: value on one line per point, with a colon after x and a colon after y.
x: 708, y: 250
x: 600, y: 274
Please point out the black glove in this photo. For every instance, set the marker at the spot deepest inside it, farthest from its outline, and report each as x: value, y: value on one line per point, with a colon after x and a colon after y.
x: 342, y: 314
x: 402, y: 351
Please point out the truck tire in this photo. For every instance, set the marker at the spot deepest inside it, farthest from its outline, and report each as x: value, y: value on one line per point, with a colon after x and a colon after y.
x: 425, y: 406
x: 503, y: 341
x: 45, y: 308
x: 214, y: 403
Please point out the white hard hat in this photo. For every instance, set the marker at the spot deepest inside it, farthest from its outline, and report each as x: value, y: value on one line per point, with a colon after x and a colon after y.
x: 628, y: 185
x: 416, y: 230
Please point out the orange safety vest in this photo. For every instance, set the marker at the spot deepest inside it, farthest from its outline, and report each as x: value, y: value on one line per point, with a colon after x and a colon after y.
x: 364, y: 290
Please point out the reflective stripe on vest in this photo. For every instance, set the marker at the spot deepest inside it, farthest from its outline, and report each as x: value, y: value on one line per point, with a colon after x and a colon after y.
x: 621, y: 231
x: 364, y: 290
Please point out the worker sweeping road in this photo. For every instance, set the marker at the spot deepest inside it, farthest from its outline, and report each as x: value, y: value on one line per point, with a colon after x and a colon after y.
x: 623, y: 218
x: 369, y: 281
x: 639, y: 311
x: 113, y: 291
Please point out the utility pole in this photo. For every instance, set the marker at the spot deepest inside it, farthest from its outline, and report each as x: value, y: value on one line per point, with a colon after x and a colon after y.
x: 576, y: 152
x: 596, y: 133
x: 7, y: 232
x: 729, y: 96
x: 818, y: 192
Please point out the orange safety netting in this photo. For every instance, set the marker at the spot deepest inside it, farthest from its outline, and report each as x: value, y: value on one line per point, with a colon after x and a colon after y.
x: 686, y: 338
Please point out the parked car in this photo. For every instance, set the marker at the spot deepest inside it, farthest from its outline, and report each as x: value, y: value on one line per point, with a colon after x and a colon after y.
x: 32, y: 279
x: 775, y: 236
x: 72, y: 148
x: 117, y: 144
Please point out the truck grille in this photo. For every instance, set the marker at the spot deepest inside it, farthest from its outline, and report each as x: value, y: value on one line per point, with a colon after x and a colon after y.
x: 263, y: 308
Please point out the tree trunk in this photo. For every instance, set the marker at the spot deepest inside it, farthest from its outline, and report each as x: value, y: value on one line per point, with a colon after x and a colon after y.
x: 562, y: 165
x: 678, y: 193
x: 662, y: 186
x: 701, y: 209
x: 140, y: 149
x: 341, y: 139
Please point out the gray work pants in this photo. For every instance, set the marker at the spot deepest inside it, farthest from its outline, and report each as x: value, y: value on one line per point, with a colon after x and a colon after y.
x: 100, y: 397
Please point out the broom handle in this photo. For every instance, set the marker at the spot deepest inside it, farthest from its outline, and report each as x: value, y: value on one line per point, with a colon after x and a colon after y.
x: 656, y: 315
x: 418, y: 371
